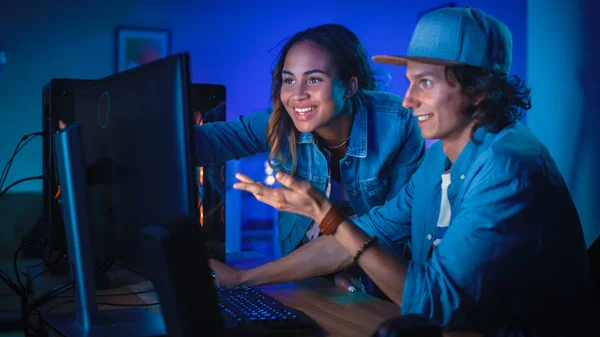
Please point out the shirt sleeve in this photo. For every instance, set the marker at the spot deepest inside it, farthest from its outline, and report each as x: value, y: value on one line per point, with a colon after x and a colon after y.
x: 218, y: 142
x: 486, y: 238
x: 391, y: 221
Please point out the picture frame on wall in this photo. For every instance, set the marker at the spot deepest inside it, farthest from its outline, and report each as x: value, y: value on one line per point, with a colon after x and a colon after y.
x: 135, y: 46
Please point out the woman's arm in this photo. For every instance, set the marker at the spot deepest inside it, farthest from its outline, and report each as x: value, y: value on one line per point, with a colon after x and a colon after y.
x: 218, y: 142
x: 321, y: 256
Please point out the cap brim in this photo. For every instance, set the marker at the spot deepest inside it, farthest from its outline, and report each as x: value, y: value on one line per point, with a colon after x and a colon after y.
x: 402, y: 60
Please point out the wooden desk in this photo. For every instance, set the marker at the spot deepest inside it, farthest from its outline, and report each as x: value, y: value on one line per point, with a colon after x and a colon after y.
x: 338, y: 312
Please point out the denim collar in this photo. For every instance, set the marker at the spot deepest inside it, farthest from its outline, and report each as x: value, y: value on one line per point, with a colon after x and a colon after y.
x: 468, y: 154
x: 357, y: 145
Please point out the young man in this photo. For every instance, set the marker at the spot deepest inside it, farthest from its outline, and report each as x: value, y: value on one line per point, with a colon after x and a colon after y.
x: 497, y: 245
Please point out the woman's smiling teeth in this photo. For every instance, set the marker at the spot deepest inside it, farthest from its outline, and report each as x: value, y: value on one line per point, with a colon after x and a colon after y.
x: 305, y: 110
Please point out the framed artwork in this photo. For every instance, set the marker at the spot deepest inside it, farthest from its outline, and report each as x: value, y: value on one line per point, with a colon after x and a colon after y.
x: 135, y: 46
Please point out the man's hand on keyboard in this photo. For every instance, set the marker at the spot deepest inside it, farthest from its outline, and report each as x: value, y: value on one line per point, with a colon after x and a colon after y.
x: 225, y: 276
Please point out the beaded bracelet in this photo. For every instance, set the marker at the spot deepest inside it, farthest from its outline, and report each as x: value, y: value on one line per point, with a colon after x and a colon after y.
x: 364, y: 247
x: 331, y: 220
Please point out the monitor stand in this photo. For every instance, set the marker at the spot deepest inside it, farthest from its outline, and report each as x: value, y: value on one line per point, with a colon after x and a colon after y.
x: 87, y: 320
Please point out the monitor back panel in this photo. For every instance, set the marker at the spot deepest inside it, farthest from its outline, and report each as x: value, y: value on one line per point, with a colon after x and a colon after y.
x: 137, y: 135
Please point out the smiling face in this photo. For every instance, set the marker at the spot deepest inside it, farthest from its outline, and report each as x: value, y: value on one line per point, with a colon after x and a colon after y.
x: 311, y: 92
x: 438, y: 104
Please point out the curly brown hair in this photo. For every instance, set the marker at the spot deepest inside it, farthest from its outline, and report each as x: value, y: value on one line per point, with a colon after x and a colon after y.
x: 505, y: 98
x: 350, y: 58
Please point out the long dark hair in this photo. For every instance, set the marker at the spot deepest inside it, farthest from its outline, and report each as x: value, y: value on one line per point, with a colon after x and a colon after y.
x: 350, y: 59
x: 505, y: 98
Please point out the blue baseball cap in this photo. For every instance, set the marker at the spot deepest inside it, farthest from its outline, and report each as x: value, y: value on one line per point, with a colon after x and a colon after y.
x: 454, y: 36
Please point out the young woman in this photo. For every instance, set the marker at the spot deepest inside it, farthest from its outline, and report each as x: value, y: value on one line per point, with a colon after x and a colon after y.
x: 328, y: 126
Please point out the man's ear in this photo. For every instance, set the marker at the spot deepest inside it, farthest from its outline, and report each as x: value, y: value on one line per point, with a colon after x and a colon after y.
x: 351, y: 87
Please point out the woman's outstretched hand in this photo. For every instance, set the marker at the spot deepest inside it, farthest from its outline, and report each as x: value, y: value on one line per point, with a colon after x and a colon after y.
x: 297, y: 197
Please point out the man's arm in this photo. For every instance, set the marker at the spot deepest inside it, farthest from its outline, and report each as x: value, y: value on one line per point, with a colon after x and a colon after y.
x: 489, y: 230
x: 321, y: 256
x: 382, y: 266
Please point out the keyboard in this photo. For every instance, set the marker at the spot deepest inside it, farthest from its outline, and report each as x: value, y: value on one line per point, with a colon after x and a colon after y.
x: 250, y: 312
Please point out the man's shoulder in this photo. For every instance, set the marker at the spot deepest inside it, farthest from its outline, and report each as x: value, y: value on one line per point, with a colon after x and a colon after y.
x: 514, y: 151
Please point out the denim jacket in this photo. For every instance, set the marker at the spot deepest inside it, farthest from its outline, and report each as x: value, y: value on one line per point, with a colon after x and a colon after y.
x: 384, y: 150
x: 513, y: 241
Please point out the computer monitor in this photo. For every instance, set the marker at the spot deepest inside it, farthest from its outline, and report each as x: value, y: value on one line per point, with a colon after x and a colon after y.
x: 58, y: 103
x: 137, y: 136
x: 124, y: 164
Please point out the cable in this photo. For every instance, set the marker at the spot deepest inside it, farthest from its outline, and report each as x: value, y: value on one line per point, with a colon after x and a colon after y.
x: 118, y: 294
x: 58, y: 305
x: 49, y: 295
x: 39, y: 274
x: 9, y: 163
x: 102, y: 303
x: 20, y: 145
x: 4, y: 277
x: 126, y: 305
x: 15, y: 257
x: 27, y: 138
x: 18, y: 289
x: 27, y: 309
x: 18, y: 182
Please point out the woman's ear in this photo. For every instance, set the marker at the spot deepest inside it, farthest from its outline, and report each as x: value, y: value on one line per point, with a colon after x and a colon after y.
x: 351, y: 87
x: 477, y: 99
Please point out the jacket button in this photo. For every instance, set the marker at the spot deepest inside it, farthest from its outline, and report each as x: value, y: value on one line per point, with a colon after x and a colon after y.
x: 348, y: 162
x: 462, y: 177
x: 429, y: 236
x: 355, y: 192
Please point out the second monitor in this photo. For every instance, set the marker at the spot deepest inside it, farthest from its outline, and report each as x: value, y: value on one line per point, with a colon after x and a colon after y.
x: 124, y: 164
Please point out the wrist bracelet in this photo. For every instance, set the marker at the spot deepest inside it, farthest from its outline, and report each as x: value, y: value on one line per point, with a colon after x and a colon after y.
x: 364, y: 247
x: 331, y: 220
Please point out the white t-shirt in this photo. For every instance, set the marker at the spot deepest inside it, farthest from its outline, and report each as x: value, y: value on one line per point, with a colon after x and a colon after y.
x: 444, y: 218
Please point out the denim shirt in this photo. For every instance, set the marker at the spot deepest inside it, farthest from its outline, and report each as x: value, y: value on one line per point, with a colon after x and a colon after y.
x: 513, y: 241
x: 384, y: 150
